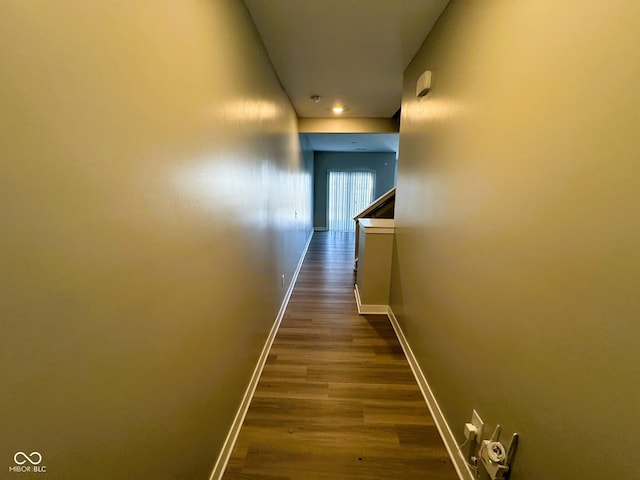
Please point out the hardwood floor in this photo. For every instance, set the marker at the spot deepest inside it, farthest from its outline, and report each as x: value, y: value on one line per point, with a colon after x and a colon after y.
x: 336, y: 399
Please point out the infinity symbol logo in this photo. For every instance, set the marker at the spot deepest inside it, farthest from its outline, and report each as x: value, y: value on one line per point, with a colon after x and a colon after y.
x: 27, y: 458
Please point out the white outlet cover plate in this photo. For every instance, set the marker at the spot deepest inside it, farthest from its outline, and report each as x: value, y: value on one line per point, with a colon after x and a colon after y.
x: 479, y: 424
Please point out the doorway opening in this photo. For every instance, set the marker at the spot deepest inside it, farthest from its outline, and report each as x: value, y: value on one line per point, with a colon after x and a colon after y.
x: 350, y: 192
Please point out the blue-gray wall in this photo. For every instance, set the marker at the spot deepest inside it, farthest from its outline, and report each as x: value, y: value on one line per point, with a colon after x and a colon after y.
x: 383, y: 163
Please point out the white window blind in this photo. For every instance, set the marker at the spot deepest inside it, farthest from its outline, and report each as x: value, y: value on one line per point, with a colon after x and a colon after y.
x: 349, y: 194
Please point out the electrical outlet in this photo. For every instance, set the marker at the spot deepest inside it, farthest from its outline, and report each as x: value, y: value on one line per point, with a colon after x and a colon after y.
x: 479, y: 424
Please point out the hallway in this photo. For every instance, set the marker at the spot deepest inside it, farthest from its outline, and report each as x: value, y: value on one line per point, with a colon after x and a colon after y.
x: 337, y: 398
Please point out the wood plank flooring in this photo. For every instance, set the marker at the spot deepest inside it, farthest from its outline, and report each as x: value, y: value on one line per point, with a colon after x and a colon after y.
x: 336, y: 399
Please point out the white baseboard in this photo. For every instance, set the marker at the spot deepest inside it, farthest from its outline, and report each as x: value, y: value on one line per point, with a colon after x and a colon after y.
x: 464, y: 472
x: 320, y: 229
x: 234, y: 431
x: 368, y: 309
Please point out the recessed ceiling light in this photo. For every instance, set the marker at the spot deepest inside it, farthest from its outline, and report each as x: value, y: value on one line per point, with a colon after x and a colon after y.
x: 338, y: 109
x: 315, y: 98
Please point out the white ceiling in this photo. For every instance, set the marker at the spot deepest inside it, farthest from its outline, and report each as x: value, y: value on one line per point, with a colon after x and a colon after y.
x: 352, y: 52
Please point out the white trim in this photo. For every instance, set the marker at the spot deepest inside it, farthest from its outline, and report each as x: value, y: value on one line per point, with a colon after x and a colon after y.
x: 234, y: 431
x: 368, y: 309
x: 463, y: 470
x: 378, y: 225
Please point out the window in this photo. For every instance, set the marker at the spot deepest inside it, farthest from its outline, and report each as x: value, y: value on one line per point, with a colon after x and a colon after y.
x: 349, y: 193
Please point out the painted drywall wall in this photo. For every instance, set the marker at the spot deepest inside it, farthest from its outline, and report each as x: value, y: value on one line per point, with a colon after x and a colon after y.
x: 348, y: 125
x: 517, y: 263
x: 383, y: 163
x: 151, y: 174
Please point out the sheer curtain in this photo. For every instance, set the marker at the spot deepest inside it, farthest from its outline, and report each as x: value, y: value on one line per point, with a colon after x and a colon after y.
x: 349, y: 193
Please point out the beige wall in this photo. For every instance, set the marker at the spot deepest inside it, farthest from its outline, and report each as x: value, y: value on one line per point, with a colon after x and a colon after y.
x: 151, y: 174
x: 517, y: 263
x: 348, y: 125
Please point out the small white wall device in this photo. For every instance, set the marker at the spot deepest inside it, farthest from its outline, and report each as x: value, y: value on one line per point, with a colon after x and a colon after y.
x: 495, y: 457
x: 424, y: 84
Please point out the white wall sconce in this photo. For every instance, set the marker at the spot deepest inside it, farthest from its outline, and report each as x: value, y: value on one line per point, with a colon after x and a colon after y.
x: 424, y: 84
